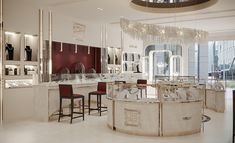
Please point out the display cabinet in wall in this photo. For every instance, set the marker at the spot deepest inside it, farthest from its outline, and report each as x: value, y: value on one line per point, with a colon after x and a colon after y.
x: 114, y: 59
x: 131, y: 62
x: 20, y: 59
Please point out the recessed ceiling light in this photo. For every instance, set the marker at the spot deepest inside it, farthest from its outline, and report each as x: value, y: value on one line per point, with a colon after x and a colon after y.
x: 101, y: 9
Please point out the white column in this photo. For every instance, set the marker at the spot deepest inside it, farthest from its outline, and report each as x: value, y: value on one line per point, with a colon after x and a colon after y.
x: 203, y: 60
x: 191, y: 60
x: 50, y: 44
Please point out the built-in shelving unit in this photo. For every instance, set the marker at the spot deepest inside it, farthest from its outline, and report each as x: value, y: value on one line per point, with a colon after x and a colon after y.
x: 131, y: 62
x: 114, y: 60
x: 20, y: 59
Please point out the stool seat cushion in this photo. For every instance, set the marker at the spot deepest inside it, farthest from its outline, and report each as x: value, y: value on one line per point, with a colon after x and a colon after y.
x: 77, y: 96
x: 98, y: 93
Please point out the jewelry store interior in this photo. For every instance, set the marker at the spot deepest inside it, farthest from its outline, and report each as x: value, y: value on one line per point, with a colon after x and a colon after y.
x: 117, y: 71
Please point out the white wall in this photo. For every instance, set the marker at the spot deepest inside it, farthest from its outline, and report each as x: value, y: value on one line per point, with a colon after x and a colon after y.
x: 17, y: 104
x: 20, y: 17
x: 116, y: 38
x: 131, y: 45
x: 63, y: 30
x: 217, y: 36
x: 24, y: 18
x: 113, y: 37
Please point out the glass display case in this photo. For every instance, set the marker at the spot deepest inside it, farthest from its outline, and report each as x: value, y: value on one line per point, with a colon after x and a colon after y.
x: 129, y: 113
x: 131, y: 91
x: 175, y: 79
x: 179, y: 88
x: 95, y: 77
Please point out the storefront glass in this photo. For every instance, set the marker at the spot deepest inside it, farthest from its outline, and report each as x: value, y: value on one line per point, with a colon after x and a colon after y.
x: 221, y: 56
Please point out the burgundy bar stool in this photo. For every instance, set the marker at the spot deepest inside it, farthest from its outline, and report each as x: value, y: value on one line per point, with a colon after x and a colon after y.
x: 66, y: 92
x: 142, y: 86
x: 101, y: 90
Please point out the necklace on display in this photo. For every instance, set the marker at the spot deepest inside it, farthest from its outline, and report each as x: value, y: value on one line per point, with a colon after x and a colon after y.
x: 9, y: 47
x: 28, y: 48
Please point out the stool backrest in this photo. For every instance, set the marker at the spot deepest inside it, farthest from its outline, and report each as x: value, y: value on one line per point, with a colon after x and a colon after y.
x: 66, y: 90
x: 101, y: 86
x: 141, y: 81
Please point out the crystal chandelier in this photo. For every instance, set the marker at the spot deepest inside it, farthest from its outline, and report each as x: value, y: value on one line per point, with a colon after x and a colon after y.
x: 152, y: 32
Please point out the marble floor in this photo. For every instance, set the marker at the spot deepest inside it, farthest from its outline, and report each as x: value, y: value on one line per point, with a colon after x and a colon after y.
x: 94, y: 129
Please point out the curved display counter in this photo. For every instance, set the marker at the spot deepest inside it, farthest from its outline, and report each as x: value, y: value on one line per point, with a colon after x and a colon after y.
x: 152, y: 117
x: 46, y: 95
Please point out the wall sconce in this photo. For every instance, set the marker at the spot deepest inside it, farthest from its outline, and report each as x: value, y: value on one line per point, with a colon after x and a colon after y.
x: 10, y: 33
x: 28, y: 36
x: 61, y: 47
x: 76, y: 49
x: 89, y: 50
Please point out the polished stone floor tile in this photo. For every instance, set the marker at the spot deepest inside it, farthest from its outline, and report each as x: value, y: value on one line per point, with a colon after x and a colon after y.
x: 94, y: 129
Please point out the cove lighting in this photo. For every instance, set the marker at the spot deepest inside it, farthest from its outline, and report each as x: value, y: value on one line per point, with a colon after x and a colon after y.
x: 101, y: 9
x: 29, y: 36
x: 10, y: 33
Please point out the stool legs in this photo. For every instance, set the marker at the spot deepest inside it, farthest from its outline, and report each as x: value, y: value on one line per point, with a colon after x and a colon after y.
x: 99, y: 104
x: 83, y: 104
x: 71, y: 116
x: 60, y: 109
x: 72, y: 110
x: 97, y: 99
x: 89, y: 103
x: 146, y: 92
x: 141, y: 93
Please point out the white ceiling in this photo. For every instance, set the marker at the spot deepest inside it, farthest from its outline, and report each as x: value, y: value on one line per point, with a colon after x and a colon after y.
x: 219, y: 17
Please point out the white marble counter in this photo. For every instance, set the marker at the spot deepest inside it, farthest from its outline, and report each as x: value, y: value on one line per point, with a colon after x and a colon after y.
x: 46, y: 97
x: 151, y: 117
x: 134, y: 117
x: 215, y: 100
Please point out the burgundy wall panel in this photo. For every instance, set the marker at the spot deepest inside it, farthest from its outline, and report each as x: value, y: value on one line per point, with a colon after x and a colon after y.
x: 67, y: 58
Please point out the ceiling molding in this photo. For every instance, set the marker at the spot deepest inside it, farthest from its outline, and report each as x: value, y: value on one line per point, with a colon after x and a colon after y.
x: 180, y: 16
x: 195, y: 19
x: 65, y: 2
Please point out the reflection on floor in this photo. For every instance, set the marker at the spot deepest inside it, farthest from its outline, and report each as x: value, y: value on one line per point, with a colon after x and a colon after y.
x: 94, y: 129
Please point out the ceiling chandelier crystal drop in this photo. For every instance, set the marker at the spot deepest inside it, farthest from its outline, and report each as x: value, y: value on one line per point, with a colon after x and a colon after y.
x: 152, y: 32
